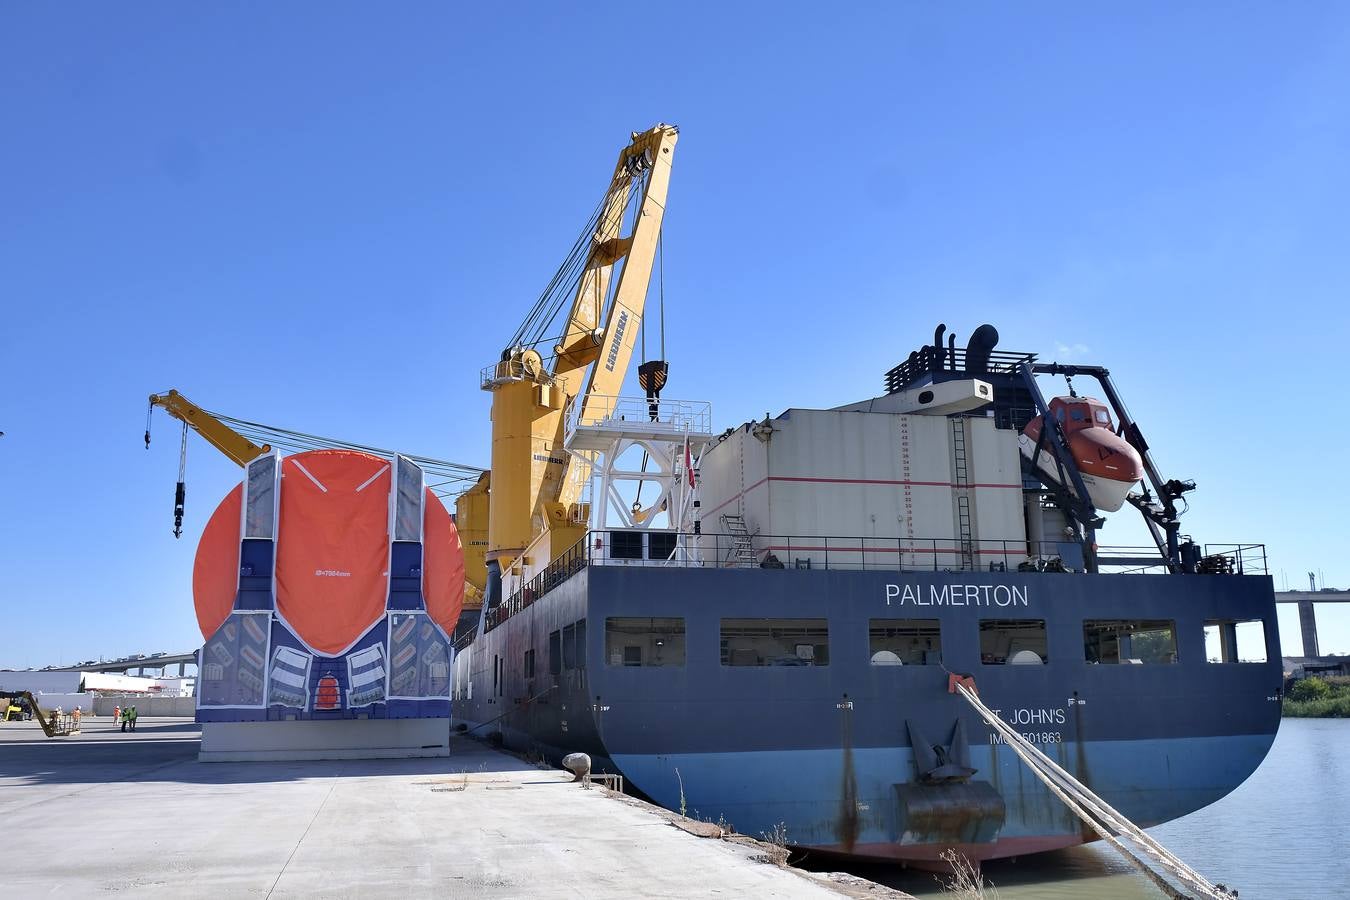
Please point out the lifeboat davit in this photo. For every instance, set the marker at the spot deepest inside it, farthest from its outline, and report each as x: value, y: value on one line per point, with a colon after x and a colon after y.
x: 1109, y: 466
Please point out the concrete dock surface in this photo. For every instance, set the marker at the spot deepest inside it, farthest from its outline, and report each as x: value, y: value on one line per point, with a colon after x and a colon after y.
x: 108, y: 813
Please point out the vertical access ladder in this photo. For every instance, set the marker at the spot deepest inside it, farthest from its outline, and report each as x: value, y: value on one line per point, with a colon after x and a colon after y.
x: 962, y: 486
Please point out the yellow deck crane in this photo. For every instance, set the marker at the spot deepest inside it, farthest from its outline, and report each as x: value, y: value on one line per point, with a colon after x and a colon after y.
x: 535, y: 511
x: 470, y: 507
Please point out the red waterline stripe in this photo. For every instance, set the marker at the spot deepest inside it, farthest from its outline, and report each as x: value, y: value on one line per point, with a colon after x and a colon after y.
x: 733, y: 498
x: 803, y: 479
x: 886, y: 481
x: 928, y: 550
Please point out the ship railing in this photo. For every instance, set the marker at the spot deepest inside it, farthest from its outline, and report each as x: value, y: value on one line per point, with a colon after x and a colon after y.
x: 804, y: 552
x: 513, y: 368
x: 1215, y: 559
x: 676, y: 416
x: 725, y: 550
x: 925, y: 361
x: 572, y: 561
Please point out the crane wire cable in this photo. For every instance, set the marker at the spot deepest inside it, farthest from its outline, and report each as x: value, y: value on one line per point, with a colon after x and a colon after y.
x: 566, y: 282
x: 455, y: 478
x: 563, y: 282
x: 575, y: 257
x: 571, y: 285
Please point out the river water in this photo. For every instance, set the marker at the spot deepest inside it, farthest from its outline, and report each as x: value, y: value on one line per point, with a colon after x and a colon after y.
x: 1282, y: 835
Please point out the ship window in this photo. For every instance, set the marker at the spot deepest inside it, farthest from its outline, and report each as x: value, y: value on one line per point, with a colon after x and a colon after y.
x: 625, y: 545
x: 1230, y: 640
x: 1103, y: 417
x: 775, y: 642
x: 555, y: 652
x: 574, y: 645
x: 909, y: 642
x: 644, y: 642
x: 1129, y: 641
x: 1013, y: 642
x: 529, y: 663
x: 569, y: 646
x: 660, y: 544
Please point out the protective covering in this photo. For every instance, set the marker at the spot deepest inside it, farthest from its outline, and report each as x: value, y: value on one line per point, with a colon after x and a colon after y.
x: 420, y: 654
x: 333, y: 546
x: 297, y: 604
x: 232, y: 662
x: 442, y: 566
x: 215, y: 573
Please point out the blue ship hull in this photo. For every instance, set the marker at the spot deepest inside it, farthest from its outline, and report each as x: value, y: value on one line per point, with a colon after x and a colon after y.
x: 826, y: 751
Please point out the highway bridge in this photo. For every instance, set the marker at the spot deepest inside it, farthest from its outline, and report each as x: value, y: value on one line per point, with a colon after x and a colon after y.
x: 158, y: 664
x: 1307, y: 620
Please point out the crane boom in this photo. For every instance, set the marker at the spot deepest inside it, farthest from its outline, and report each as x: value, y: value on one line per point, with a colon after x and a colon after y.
x: 234, y: 445
x: 535, y: 481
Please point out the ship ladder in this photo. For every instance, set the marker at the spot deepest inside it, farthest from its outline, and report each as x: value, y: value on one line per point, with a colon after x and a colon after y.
x: 1131, y: 841
x: 962, y: 485
x: 742, y: 553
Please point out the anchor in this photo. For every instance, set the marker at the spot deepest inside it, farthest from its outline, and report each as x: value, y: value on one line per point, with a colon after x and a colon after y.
x: 943, y: 805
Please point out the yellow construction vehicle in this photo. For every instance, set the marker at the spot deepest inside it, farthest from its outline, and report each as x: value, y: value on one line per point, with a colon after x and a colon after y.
x: 15, y: 703
x: 535, y: 508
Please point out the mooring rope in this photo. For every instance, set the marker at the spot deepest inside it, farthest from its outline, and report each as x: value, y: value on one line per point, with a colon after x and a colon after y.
x: 1098, y: 814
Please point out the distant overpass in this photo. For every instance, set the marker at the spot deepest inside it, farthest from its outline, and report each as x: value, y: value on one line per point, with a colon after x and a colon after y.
x: 1307, y: 621
x: 138, y: 665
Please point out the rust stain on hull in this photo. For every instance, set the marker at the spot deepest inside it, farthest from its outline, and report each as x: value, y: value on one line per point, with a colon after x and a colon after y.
x: 846, y: 827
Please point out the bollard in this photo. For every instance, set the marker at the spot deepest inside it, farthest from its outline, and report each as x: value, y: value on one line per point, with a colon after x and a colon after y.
x: 579, y: 764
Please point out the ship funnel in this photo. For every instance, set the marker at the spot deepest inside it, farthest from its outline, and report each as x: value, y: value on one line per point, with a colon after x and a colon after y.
x: 982, y: 343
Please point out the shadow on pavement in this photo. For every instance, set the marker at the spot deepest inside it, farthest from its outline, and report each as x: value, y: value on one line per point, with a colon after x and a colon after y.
x: 168, y: 753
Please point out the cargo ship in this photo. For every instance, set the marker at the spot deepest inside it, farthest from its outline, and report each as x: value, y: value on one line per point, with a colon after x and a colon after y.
x: 769, y: 639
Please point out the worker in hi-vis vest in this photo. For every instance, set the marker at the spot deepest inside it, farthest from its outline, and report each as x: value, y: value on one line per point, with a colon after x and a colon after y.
x: 133, y: 718
x: 126, y: 717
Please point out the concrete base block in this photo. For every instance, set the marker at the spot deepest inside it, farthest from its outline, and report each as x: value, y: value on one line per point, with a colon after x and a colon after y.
x: 331, y: 739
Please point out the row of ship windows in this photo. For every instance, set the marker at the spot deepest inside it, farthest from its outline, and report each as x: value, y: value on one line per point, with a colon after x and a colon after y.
x: 909, y: 642
x: 650, y: 642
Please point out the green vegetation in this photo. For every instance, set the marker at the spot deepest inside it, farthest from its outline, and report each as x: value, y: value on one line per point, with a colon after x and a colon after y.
x: 1319, y: 698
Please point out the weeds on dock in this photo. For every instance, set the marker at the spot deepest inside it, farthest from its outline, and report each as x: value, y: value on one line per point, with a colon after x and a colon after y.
x: 965, y: 883
x: 682, y: 804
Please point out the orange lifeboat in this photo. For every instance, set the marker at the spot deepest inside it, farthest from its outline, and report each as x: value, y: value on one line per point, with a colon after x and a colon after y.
x: 1109, y: 466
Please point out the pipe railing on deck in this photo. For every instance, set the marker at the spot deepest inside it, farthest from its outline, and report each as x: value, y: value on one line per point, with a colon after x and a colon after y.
x: 663, y: 549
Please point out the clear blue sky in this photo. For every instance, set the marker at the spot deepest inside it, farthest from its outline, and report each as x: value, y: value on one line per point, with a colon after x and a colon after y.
x: 328, y: 216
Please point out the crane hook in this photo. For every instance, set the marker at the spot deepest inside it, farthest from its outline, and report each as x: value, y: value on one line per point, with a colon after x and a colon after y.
x: 178, y: 496
x: 180, y: 493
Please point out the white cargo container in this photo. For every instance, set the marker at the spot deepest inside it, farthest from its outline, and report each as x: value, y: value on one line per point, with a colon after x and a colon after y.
x: 851, y: 489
